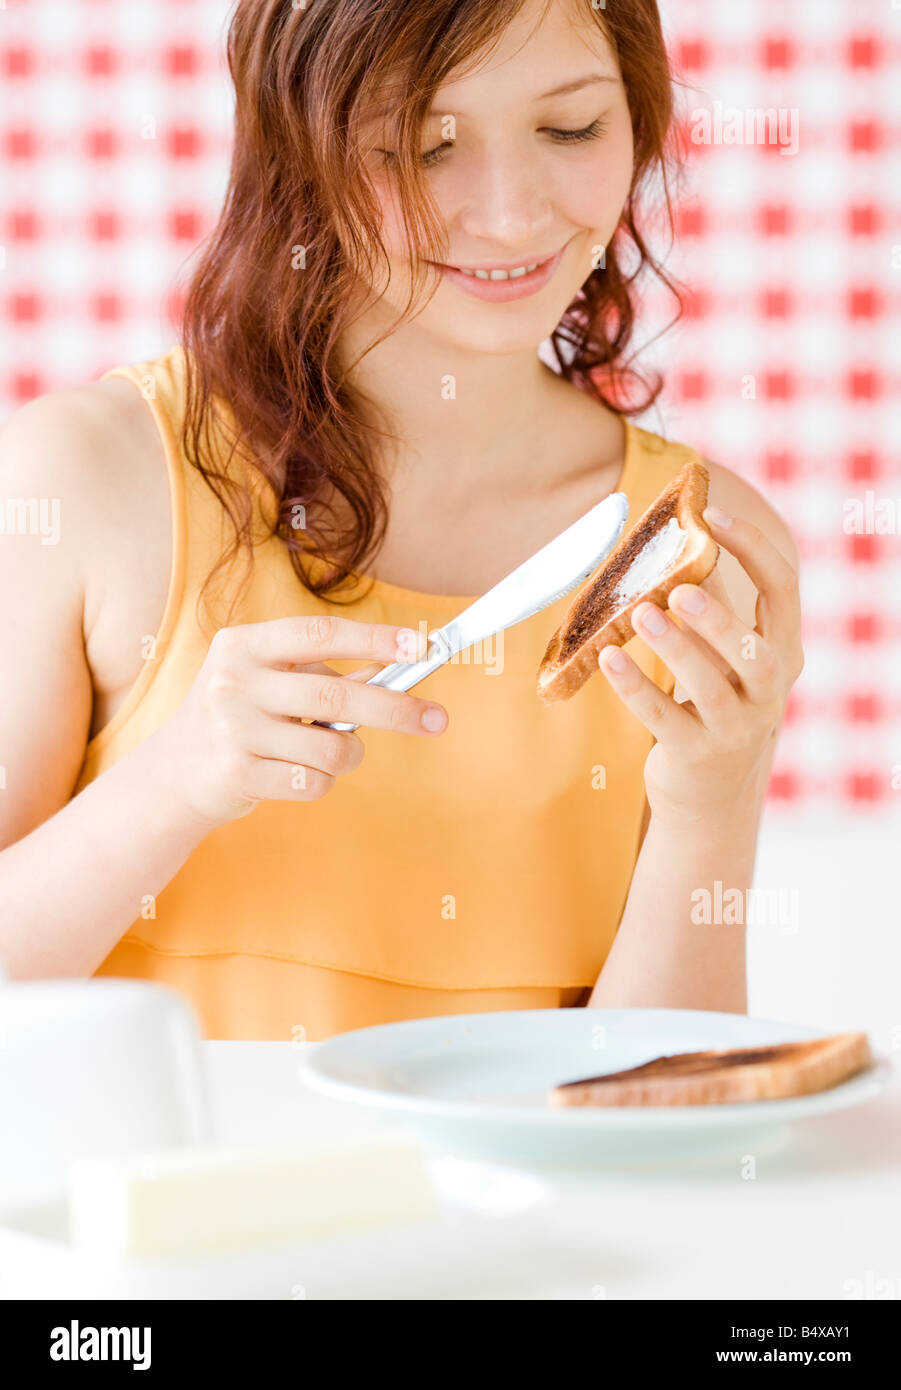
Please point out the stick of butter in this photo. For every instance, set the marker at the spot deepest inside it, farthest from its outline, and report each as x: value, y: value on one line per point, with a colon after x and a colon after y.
x: 207, y: 1200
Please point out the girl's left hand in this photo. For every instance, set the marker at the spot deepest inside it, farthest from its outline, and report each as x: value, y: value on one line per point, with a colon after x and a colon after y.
x: 711, y: 750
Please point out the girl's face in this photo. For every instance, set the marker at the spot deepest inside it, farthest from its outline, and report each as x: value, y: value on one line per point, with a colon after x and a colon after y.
x: 529, y: 159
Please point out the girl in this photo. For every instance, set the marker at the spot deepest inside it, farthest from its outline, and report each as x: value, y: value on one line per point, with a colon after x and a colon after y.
x: 354, y: 438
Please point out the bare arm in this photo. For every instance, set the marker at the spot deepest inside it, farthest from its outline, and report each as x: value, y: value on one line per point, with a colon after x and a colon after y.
x: 74, y: 872
x: 666, y: 953
x: 71, y: 875
x: 71, y: 888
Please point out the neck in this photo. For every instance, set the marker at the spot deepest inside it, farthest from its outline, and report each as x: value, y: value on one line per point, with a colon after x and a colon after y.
x: 461, y: 417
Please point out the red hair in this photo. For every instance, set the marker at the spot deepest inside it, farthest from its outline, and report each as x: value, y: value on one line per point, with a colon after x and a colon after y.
x: 262, y: 334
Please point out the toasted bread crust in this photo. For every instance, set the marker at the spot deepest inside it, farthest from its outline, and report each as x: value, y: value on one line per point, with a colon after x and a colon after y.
x: 733, y: 1075
x: 572, y: 653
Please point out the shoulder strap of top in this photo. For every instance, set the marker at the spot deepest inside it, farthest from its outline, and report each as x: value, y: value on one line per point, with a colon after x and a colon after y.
x: 201, y: 529
x: 651, y: 463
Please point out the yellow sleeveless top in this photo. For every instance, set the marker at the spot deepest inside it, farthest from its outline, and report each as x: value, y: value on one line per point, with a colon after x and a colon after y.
x: 484, y: 869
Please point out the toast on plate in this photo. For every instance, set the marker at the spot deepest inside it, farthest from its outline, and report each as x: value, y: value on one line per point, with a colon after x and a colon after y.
x: 722, y: 1078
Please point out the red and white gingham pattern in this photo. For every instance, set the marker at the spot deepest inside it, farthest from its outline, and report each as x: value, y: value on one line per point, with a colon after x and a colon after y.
x: 794, y: 264
x: 115, y: 128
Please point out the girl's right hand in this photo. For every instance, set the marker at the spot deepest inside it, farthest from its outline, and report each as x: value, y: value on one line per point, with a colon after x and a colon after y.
x: 237, y: 739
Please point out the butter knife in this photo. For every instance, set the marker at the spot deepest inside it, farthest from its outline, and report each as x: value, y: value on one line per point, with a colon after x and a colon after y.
x: 545, y: 577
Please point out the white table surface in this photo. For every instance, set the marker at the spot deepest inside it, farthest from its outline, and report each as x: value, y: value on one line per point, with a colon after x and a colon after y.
x: 821, y: 1219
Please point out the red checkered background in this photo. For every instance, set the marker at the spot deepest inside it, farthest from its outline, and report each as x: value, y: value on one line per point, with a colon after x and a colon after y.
x: 114, y: 138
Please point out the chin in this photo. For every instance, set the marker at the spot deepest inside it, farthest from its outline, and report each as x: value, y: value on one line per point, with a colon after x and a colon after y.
x: 495, y: 344
x: 488, y: 333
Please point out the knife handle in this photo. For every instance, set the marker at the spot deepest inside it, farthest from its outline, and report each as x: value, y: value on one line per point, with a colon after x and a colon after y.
x: 401, y: 675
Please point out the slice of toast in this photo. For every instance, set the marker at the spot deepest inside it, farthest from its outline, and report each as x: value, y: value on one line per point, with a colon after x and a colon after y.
x: 722, y: 1078
x: 671, y: 544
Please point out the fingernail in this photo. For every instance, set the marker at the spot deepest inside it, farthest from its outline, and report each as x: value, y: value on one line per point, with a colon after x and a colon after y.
x: 717, y: 517
x: 613, y: 659
x: 434, y: 720
x: 688, y: 599
x: 408, y: 644
x: 653, y: 621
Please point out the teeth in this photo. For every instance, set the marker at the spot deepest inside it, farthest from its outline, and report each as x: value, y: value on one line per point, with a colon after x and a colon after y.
x: 500, y: 274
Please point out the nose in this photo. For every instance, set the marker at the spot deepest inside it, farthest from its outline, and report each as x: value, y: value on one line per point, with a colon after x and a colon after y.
x: 505, y: 203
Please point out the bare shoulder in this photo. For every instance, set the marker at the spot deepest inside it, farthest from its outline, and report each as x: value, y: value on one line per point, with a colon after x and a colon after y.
x: 89, y: 461
x: 93, y: 449
x: 93, y: 456
x: 69, y: 461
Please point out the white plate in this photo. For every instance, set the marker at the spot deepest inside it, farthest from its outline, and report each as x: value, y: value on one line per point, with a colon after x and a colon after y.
x: 478, y: 1083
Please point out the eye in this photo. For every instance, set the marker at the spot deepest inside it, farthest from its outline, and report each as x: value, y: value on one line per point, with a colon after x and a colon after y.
x: 429, y: 158
x: 588, y: 132
x: 434, y: 156
x: 563, y: 137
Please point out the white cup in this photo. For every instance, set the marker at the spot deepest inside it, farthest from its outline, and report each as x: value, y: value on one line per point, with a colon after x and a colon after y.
x: 99, y: 1066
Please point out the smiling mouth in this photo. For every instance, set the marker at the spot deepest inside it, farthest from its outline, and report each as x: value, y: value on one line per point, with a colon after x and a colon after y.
x: 515, y: 274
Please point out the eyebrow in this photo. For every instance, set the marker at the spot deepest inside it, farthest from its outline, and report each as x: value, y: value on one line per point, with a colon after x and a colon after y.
x: 577, y: 85
x: 574, y: 86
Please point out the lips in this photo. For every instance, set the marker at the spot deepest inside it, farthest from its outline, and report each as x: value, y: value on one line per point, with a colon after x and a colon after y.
x: 501, y: 274
x: 499, y: 283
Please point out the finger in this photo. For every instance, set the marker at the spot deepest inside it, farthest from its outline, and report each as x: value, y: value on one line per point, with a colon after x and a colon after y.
x: 659, y: 713
x: 776, y: 581
x: 303, y: 640
x: 365, y: 672
x: 336, y: 699
x: 269, y: 779
x: 320, y: 668
x: 713, y: 584
x: 715, y: 699
x: 328, y: 750
x: 316, y: 668
x: 719, y: 662
x: 750, y: 656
